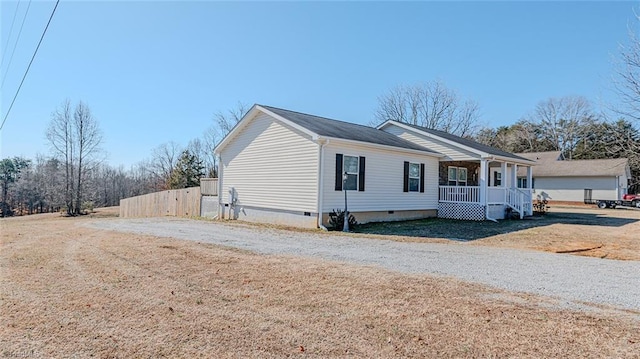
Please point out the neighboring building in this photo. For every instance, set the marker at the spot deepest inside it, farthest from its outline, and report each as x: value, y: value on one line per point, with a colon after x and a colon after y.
x: 285, y: 167
x: 558, y: 179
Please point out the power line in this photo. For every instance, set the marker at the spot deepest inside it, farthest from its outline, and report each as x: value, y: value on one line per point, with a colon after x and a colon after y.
x: 6, y: 71
x: 10, y: 31
x: 28, y: 67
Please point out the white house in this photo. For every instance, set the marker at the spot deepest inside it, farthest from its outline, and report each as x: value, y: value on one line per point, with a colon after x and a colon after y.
x: 285, y: 167
x: 558, y: 179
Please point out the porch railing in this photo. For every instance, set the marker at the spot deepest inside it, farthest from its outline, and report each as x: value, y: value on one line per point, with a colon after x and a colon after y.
x: 460, y: 194
x: 520, y: 200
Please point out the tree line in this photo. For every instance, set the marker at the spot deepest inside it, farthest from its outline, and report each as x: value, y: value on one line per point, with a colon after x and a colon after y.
x: 74, y: 178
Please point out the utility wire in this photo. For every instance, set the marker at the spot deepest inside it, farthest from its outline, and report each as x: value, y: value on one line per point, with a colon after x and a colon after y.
x: 6, y: 71
x: 28, y: 67
x: 10, y: 31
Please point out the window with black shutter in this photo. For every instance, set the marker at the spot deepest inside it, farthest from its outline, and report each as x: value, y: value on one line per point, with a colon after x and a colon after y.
x: 353, y: 168
x: 413, y: 177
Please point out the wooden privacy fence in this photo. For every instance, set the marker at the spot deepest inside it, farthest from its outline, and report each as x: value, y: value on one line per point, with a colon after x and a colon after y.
x: 209, y: 186
x: 177, y: 203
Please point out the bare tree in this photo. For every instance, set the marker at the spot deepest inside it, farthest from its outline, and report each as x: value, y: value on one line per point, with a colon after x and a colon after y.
x: 626, y: 82
x: 563, y: 121
x: 225, y: 121
x: 75, y: 138
x: 210, y: 141
x: 202, y: 149
x: 89, y: 138
x: 163, y: 161
x: 61, y: 138
x: 431, y: 105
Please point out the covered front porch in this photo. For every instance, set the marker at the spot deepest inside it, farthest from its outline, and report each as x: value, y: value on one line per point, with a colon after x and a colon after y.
x: 485, y: 189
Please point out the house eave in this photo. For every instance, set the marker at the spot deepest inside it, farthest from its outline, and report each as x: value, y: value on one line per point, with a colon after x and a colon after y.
x: 490, y: 157
x: 383, y: 147
x: 429, y: 135
x: 481, y: 154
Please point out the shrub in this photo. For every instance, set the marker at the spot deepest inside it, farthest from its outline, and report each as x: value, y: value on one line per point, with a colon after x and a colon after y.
x: 336, y: 220
x: 87, y: 207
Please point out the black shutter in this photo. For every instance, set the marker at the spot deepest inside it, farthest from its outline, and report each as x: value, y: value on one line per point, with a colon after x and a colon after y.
x: 406, y: 177
x: 338, y: 171
x: 422, y: 177
x: 361, y: 175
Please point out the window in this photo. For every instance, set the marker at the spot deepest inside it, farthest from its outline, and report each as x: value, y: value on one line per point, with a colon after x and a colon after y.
x: 522, y: 182
x: 350, y: 167
x: 413, y: 177
x: 457, y: 176
x: 462, y: 176
x: 354, y: 167
x: 453, y: 176
x: 497, y: 178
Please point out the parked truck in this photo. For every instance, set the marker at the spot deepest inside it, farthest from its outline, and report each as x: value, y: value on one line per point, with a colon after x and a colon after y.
x: 628, y: 200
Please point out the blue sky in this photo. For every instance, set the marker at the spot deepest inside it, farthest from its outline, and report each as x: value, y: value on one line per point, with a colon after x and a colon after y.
x: 154, y: 72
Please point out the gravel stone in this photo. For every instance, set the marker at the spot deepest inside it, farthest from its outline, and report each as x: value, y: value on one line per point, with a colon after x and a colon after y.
x: 570, y: 279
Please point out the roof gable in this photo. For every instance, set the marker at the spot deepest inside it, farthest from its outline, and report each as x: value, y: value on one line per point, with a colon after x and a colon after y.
x: 543, y: 157
x: 461, y: 142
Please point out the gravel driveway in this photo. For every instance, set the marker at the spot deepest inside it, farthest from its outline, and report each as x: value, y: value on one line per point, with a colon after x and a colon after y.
x: 569, y: 279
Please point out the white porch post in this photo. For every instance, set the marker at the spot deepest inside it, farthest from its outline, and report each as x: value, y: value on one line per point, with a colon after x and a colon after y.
x: 514, y: 176
x: 482, y: 182
x: 503, y: 180
x: 530, y: 187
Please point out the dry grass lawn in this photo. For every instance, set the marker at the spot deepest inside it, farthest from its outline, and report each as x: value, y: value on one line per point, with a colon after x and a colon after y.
x: 71, y: 291
x: 579, y: 230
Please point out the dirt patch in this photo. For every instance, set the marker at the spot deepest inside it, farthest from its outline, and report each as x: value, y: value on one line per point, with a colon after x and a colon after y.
x: 69, y: 290
x: 609, y: 233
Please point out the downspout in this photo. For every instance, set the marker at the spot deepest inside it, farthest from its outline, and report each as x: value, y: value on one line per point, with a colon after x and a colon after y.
x: 220, y: 167
x: 322, y: 143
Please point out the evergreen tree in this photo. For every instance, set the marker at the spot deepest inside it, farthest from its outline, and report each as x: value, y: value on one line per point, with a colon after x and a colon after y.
x: 187, y: 171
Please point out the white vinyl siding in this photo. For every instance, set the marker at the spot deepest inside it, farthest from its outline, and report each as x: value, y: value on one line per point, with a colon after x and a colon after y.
x: 384, y: 180
x: 453, y: 154
x: 572, y: 188
x: 271, y: 166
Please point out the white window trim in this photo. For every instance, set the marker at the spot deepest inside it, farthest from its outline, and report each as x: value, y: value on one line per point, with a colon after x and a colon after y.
x: 466, y: 175
x: 357, y: 173
x: 456, y: 179
x: 413, y: 177
x: 522, y: 182
x: 498, y: 178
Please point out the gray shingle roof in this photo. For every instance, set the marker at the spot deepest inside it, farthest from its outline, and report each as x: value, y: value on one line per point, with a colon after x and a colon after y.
x: 468, y: 142
x: 327, y: 127
x: 542, y: 157
x: 548, y: 165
